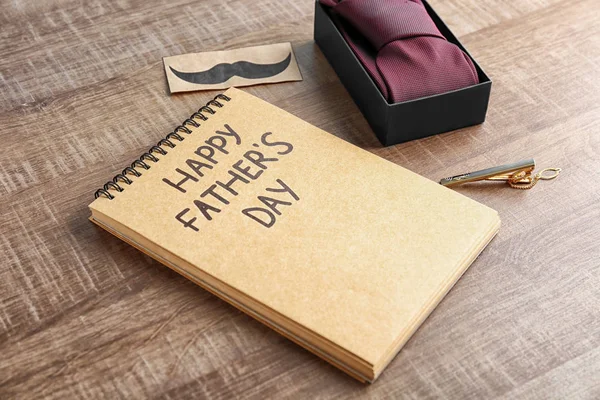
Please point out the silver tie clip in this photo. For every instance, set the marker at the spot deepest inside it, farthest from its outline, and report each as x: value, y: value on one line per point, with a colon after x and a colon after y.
x: 518, y: 175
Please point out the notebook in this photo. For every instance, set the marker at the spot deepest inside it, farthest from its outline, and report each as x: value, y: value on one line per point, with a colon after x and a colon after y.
x: 337, y: 249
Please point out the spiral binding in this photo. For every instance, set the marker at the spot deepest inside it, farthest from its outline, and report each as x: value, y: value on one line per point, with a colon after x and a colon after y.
x: 168, y: 141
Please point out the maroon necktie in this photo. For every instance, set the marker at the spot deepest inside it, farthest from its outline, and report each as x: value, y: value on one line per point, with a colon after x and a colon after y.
x: 401, y: 48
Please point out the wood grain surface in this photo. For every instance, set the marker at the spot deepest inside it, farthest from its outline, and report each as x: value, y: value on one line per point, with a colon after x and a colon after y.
x: 82, y: 314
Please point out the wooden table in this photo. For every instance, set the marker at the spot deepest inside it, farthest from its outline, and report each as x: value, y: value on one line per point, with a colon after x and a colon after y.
x: 82, y: 314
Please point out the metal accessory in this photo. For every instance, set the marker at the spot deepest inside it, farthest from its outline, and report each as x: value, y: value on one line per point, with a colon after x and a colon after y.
x: 518, y: 175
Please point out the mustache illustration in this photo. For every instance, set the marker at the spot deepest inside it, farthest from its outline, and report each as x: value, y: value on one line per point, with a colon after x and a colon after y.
x: 223, y: 72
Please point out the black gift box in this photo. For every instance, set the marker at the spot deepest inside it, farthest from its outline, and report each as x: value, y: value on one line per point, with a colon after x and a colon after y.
x: 409, y: 120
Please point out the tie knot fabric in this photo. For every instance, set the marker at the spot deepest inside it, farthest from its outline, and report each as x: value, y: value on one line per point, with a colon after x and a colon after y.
x: 401, y: 48
x: 384, y: 21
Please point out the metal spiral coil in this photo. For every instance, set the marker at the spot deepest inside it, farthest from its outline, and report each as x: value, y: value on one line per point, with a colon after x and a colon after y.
x: 120, y: 180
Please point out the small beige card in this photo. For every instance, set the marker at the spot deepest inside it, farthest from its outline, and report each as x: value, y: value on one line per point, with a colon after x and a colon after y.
x: 224, y: 69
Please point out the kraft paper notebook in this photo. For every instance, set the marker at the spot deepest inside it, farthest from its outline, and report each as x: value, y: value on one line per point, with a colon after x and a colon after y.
x: 339, y: 250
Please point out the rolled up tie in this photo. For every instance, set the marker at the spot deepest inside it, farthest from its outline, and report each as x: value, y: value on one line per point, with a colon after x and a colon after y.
x: 401, y: 48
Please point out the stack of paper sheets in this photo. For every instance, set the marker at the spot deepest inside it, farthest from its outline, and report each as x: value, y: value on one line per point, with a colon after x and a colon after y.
x: 339, y: 250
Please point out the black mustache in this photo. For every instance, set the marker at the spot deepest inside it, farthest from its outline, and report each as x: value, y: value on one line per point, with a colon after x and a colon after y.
x: 222, y: 72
